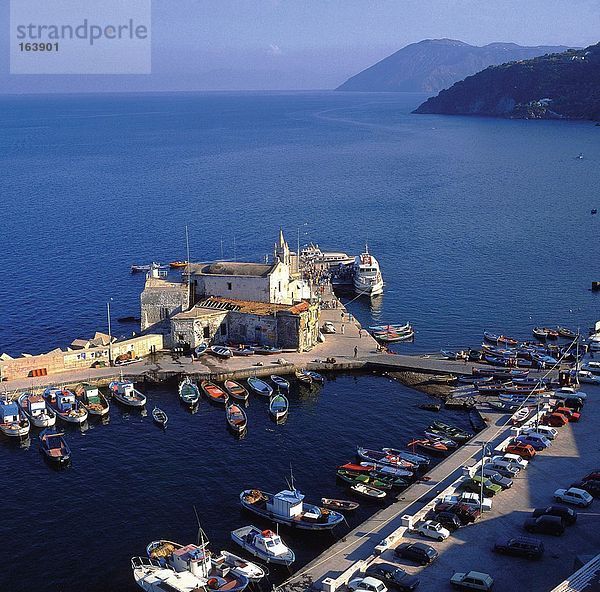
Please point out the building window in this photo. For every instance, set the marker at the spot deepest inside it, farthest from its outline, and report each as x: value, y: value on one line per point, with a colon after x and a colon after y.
x: 206, y: 332
x: 229, y: 286
x: 180, y: 337
x: 223, y: 329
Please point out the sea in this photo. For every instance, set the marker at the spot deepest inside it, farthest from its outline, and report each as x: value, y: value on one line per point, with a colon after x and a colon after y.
x: 477, y: 224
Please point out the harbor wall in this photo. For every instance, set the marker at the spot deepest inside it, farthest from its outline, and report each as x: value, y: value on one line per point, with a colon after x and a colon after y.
x: 57, y: 360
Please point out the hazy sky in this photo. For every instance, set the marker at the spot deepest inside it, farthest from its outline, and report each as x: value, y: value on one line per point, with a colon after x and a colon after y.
x: 311, y: 44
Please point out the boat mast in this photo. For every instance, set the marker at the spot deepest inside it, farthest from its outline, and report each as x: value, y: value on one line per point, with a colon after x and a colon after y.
x: 189, y: 269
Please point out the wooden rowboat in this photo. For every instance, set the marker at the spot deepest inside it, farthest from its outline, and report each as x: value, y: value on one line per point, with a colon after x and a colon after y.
x: 236, y: 418
x: 214, y: 393
x: 368, y: 492
x: 160, y: 417
x: 339, y: 505
x: 236, y: 390
x: 260, y: 387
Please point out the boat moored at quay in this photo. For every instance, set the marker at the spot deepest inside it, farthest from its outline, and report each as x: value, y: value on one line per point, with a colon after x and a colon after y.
x: 36, y: 409
x: 367, y: 275
x: 64, y: 403
x: 288, y: 507
x: 264, y: 544
x: 125, y: 392
x: 13, y: 422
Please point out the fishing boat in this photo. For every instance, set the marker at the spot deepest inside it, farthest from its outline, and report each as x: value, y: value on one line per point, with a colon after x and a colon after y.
x: 160, y: 417
x: 267, y: 350
x: 36, y: 410
x: 178, y: 264
x: 243, y: 351
x: 493, y: 338
x: 236, y: 418
x: 236, y: 391
x: 566, y: 332
x: 264, y: 544
x: 278, y: 406
x: 280, y: 383
x: 588, y: 377
x: 391, y: 327
x: 521, y: 415
x: 500, y: 374
x: 196, y: 560
x: 451, y: 355
x: 367, y: 278
x: 214, y: 393
x: 239, y: 566
x: 288, y: 507
x: 65, y: 405
x: 368, y: 492
x: 189, y: 393
x: 447, y: 442
x: 377, y: 470
x: 416, y: 459
x: 201, y: 349
x: 521, y: 398
x: 339, y: 505
x: 154, y: 576
x: 527, y: 389
x: 55, y: 447
x: 393, y: 337
x: 429, y: 445
x: 140, y: 268
x: 430, y: 406
x: 450, y: 431
x: 125, y: 392
x: 13, y: 422
x: 260, y: 387
x: 377, y: 456
x: 316, y: 377
x: 92, y: 399
x: 303, y: 376
x: 385, y: 482
x: 474, y: 380
x: 220, y: 351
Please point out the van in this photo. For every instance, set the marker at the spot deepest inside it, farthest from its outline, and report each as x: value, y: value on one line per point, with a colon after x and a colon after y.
x: 546, y: 431
x: 537, y: 441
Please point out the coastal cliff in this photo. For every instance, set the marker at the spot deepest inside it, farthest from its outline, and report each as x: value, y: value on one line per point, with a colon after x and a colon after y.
x: 433, y: 64
x: 557, y: 86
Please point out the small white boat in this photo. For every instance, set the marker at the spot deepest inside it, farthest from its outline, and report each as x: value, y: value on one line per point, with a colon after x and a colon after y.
x: 125, y: 392
x: 280, y: 382
x: 303, y: 376
x: 240, y: 566
x: 521, y: 415
x: 366, y: 491
x: 13, y: 422
x: 152, y: 576
x: 201, y: 349
x: 220, y: 351
x: 585, y: 376
x: 189, y: 393
x: 367, y: 276
x: 278, y: 406
x: 264, y: 544
x: 160, y: 417
x: 64, y: 403
x: 35, y: 408
x: 260, y: 387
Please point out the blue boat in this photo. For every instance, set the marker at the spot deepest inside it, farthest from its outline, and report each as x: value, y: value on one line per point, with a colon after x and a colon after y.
x: 189, y: 393
x: 260, y: 387
x: 124, y: 392
x: 280, y: 382
x: 315, y: 376
x: 278, y: 406
x: 288, y: 507
x: 55, y: 447
x: 64, y: 403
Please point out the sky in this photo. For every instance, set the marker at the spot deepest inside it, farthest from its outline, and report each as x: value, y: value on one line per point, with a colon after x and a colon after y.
x: 309, y: 44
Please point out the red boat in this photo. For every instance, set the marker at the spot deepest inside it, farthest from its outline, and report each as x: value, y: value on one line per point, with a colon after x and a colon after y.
x: 214, y: 393
x: 428, y: 445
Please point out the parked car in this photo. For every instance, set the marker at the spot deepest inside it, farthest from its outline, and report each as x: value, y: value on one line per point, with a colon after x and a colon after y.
x: 393, y: 577
x: 574, y: 496
x: 516, y: 460
x: 469, y: 499
x: 497, y: 478
x: 520, y: 547
x: 418, y: 552
x: 367, y: 584
x: 536, y: 441
x: 545, y: 525
x: 472, y: 580
x: 592, y: 486
x: 568, y: 413
x: 433, y: 530
x: 525, y: 451
x: 556, y: 420
x: 568, y: 392
x: 568, y: 515
x: 466, y: 514
x: 328, y: 327
x: 543, y: 430
x: 447, y: 519
x: 594, y: 475
x: 574, y: 403
x: 475, y: 483
x: 503, y: 468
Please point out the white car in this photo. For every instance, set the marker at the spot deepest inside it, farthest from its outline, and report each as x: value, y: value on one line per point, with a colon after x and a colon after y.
x: 568, y: 392
x: 469, y: 499
x: 433, y: 530
x: 574, y: 496
x: 328, y: 327
x: 516, y: 460
x: 367, y: 584
x: 541, y: 430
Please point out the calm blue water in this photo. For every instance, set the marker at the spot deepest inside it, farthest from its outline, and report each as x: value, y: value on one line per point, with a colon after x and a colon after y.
x: 477, y: 223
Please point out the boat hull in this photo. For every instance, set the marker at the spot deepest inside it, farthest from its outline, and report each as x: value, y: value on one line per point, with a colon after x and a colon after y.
x: 45, y: 420
x: 287, y: 559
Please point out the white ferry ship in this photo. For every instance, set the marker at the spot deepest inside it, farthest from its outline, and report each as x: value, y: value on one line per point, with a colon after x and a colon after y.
x: 367, y: 276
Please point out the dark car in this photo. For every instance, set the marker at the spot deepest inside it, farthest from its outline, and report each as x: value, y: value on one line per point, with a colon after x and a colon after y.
x: 393, y: 577
x: 545, y: 525
x: 592, y: 486
x: 466, y: 514
x: 418, y: 552
x: 520, y: 547
x: 497, y: 478
x: 594, y: 476
x: 448, y: 520
x: 568, y: 515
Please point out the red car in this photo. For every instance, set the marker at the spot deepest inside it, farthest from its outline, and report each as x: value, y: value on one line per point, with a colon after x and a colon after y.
x: 568, y: 413
x: 593, y: 476
x: 465, y: 513
x: 555, y: 420
x: 525, y: 451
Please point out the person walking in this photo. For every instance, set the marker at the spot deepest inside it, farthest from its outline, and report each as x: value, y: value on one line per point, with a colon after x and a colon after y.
x: 355, y: 351
x: 343, y: 328
x: 360, y: 333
